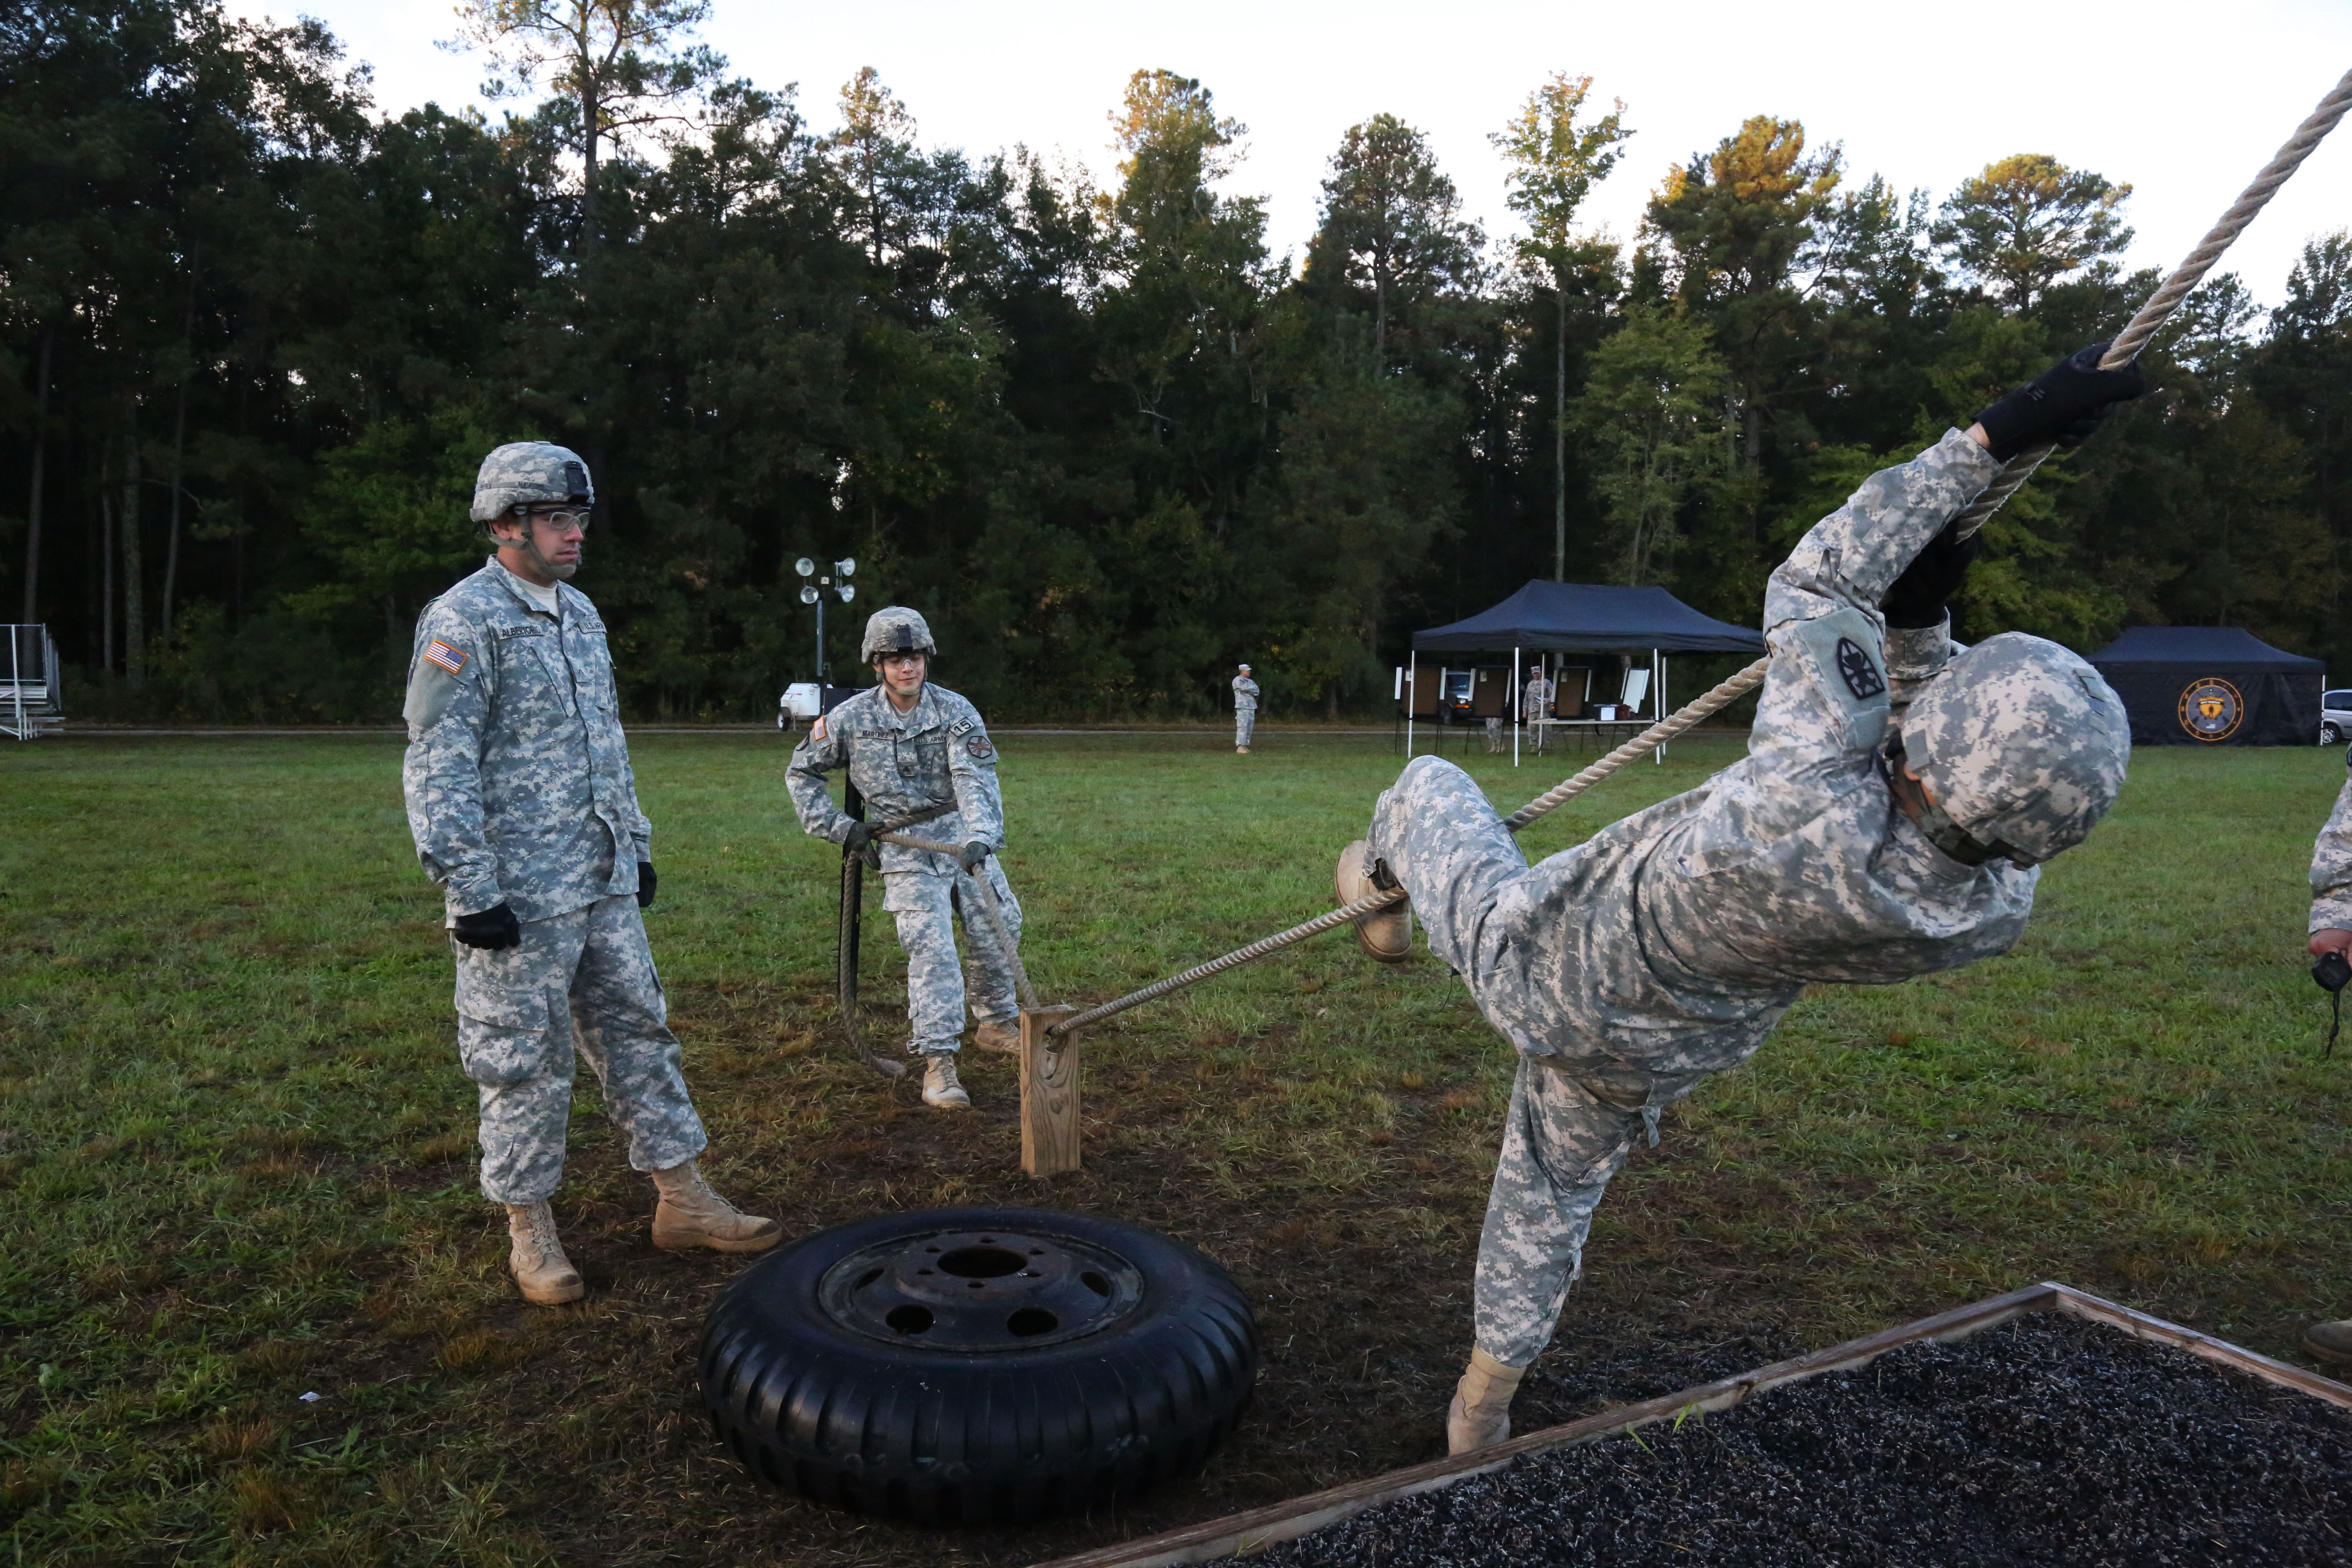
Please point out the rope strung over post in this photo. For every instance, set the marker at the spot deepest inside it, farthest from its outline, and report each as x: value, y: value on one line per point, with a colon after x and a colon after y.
x: 2123, y: 351
x: 2187, y: 276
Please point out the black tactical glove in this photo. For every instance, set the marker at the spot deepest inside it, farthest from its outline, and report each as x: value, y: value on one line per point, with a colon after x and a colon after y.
x: 975, y: 855
x: 645, y: 884
x: 859, y: 836
x: 2063, y: 405
x: 493, y: 928
x: 1919, y: 597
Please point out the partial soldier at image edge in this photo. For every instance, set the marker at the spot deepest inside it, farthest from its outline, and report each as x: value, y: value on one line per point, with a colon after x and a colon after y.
x: 2331, y: 932
x: 524, y: 809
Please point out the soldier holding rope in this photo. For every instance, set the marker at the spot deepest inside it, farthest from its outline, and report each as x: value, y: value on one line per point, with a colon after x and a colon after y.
x: 1899, y: 795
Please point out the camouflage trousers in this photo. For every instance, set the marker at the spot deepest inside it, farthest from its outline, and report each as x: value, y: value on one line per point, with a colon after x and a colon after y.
x: 1244, y: 725
x: 581, y: 984
x: 1569, y: 1126
x: 927, y: 907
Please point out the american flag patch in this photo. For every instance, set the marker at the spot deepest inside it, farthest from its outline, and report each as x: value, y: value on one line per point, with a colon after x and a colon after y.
x: 448, y: 657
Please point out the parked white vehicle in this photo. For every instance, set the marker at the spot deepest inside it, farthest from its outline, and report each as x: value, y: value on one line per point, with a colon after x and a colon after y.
x: 2334, y: 718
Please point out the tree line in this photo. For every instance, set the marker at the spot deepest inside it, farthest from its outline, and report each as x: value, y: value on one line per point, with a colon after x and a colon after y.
x: 256, y: 338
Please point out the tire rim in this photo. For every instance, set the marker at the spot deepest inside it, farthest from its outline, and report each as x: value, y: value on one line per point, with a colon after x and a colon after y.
x: 979, y: 1292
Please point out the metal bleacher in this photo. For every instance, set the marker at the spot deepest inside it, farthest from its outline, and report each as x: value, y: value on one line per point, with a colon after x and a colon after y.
x: 31, y: 699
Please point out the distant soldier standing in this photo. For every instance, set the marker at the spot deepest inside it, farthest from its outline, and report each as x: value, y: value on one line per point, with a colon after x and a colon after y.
x: 1245, y: 709
x: 525, y: 811
x: 1899, y: 797
x: 910, y: 745
x: 1535, y: 703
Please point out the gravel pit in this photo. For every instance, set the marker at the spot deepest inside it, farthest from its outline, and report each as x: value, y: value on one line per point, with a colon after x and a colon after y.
x: 2046, y: 1440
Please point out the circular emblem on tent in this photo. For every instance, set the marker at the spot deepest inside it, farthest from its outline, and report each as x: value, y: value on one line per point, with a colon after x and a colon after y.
x: 2212, y: 708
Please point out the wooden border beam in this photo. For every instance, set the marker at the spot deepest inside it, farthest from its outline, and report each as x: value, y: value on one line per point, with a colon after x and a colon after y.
x: 1239, y: 1534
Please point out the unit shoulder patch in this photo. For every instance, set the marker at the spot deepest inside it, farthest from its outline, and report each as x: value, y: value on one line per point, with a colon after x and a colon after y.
x: 980, y: 748
x: 1856, y: 669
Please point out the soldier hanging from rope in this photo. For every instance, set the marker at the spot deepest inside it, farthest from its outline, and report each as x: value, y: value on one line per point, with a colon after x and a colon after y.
x: 910, y: 746
x: 1899, y: 795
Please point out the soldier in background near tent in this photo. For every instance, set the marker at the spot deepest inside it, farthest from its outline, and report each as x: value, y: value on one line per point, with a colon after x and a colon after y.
x: 1535, y: 704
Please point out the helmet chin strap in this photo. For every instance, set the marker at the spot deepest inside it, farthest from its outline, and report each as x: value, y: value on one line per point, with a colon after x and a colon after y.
x: 530, y: 548
x: 1934, y: 822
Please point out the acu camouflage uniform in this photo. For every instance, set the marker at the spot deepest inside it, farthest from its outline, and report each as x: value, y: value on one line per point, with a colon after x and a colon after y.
x: 2331, y: 865
x: 1245, y: 709
x: 519, y: 790
x: 1664, y: 949
x: 935, y: 754
x: 1535, y: 702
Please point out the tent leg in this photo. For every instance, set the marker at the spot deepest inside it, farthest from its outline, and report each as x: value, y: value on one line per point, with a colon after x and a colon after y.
x: 1412, y: 696
x: 1658, y: 703
x: 1514, y: 689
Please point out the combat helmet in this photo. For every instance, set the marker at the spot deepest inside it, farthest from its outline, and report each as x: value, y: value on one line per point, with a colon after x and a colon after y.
x: 530, y: 473
x: 2023, y: 747
x: 894, y: 628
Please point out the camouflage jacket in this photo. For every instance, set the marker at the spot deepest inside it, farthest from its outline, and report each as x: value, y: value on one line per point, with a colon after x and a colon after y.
x: 517, y: 775
x: 1244, y: 692
x: 1690, y: 926
x: 937, y: 752
x: 2331, y: 865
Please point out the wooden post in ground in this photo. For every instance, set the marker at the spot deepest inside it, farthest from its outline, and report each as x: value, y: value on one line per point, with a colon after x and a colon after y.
x: 1049, y: 1094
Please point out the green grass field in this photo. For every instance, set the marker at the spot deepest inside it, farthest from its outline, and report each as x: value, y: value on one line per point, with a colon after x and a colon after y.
x: 234, y: 1142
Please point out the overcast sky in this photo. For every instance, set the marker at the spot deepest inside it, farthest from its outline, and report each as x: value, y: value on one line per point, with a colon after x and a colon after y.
x: 2184, y: 102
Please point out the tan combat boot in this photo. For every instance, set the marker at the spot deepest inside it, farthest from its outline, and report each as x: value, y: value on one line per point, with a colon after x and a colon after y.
x: 1388, y: 935
x: 1004, y: 1039
x: 1480, y: 1416
x: 692, y: 1215
x: 536, y: 1257
x: 2330, y: 1342
x: 941, y: 1090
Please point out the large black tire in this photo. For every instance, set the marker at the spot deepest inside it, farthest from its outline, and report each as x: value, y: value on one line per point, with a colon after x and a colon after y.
x: 977, y: 1365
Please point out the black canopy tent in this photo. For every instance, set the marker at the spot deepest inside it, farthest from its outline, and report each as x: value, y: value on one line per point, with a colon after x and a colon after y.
x: 2211, y: 685
x: 1583, y: 618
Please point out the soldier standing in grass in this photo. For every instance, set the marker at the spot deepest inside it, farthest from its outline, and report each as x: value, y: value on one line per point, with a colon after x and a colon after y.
x: 1843, y: 848
x: 525, y: 811
x: 2331, y: 932
x: 1245, y: 711
x: 1535, y: 702
x: 910, y: 746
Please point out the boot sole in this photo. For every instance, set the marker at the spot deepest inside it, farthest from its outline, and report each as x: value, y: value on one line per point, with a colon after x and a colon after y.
x: 1393, y: 944
x: 553, y: 1295
x: 2340, y: 1358
x: 687, y: 1241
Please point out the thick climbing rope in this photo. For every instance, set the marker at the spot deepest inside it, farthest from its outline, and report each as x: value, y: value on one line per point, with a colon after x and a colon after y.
x: 2187, y: 276
x: 2126, y: 347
